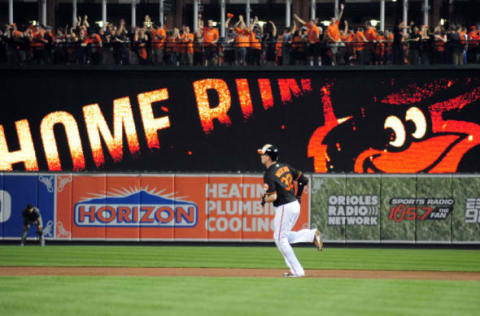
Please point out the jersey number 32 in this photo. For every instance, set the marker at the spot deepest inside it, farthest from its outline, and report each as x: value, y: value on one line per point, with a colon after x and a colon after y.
x: 287, y: 180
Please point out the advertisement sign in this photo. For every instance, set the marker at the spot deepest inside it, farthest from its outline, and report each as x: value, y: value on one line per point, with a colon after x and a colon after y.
x: 362, y: 208
x: 397, y: 208
x: 328, y: 220
x: 166, y: 207
x: 472, y: 207
x: 346, y: 207
x: 16, y: 191
x: 465, y: 219
x: 393, y: 188
x: 438, y: 203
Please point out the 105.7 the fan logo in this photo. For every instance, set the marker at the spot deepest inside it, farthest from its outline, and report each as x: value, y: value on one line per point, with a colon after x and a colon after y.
x: 411, y: 209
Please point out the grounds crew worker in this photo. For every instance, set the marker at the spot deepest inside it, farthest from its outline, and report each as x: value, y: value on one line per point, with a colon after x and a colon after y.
x: 31, y: 216
x: 279, y: 189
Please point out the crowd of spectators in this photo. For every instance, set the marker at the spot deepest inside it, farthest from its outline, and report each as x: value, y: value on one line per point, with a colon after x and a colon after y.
x: 254, y: 43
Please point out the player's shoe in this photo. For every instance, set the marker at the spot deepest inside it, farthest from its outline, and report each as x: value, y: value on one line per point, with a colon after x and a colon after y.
x: 291, y: 275
x: 317, y: 240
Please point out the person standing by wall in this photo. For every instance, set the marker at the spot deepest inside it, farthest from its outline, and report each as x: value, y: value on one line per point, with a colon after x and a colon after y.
x: 31, y: 216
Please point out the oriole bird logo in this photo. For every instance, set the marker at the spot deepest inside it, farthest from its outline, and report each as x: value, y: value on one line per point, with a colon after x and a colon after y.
x: 420, y: 129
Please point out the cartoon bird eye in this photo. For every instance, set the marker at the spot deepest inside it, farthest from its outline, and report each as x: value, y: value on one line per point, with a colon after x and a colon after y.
x: 399, y: 134
x: 416, y: 116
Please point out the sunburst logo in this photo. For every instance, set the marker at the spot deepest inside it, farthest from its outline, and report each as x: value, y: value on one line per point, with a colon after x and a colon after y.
x: 133, y: 206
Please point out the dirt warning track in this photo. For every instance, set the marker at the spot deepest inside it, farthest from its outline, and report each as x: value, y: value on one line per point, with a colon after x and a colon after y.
x: 215, y: 272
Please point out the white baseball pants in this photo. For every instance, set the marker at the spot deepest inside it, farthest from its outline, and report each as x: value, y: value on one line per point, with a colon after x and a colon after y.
x: 286, y: 216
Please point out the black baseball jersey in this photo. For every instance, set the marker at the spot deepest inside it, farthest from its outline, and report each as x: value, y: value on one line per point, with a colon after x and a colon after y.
x: 280, y: 178
x: 30, y: 217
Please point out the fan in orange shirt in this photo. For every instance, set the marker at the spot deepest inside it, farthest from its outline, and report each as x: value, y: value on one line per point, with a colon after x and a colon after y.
x: 343, y: 55
x: 94, y: 45
x: 313, y: 40
x: 360, y: 41
x: 255, y: 43
x: 187, y: 49
x: 242, y: 41
x: 439, y: 43
x: 380, y: 49
x: 158, y: 36
x: 333, y: 35
x: 473, y: 53
x: 350, y: 43
x: 371, y: 36
x: 38, y: 45
x: 15, y: 31
x: 298, y: 45
x: 210, y: 39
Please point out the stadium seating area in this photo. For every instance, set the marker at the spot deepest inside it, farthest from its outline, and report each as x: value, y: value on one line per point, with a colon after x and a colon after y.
x: 253, y: 43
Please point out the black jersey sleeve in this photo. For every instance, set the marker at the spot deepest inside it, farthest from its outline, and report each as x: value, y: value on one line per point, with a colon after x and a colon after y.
x: 269, y: 184
x: 301, y: 180
x: 36, y: 211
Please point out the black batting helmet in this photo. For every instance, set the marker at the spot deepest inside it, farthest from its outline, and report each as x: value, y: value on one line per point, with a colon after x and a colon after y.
x: 270, y: 150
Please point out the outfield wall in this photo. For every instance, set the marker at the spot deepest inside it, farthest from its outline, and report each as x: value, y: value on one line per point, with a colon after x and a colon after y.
x: 442, y: 209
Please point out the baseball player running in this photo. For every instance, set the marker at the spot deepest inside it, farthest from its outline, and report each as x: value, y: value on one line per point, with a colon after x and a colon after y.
x: 279, y: 189
x: 31, y: 216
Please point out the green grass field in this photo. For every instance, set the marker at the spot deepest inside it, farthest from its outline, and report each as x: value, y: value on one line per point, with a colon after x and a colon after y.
x: 73, y: 295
